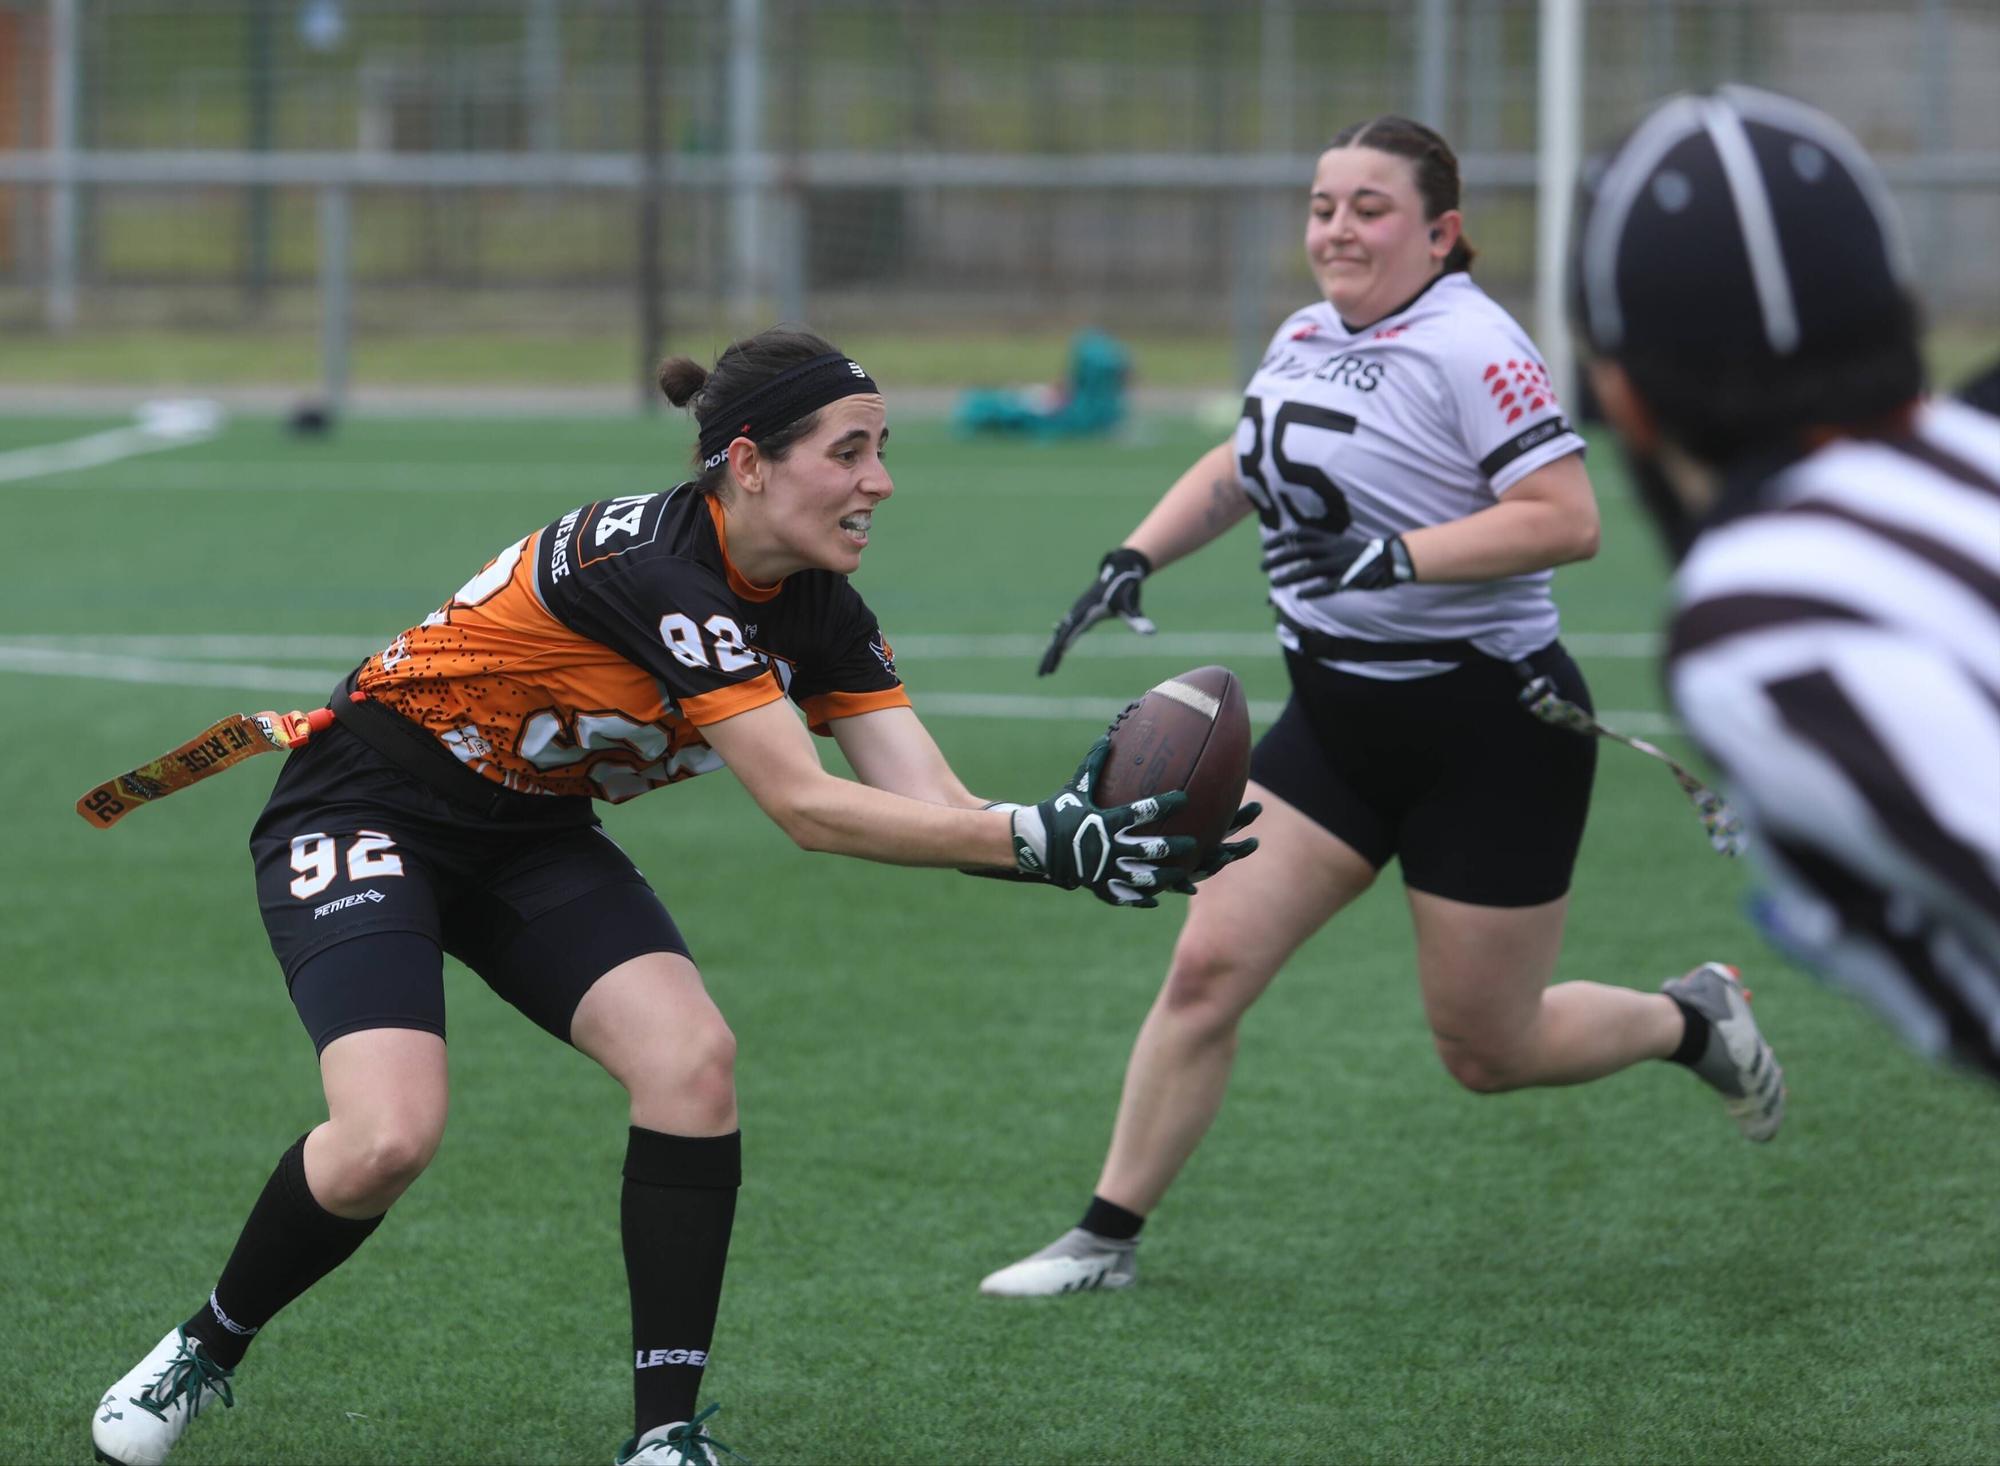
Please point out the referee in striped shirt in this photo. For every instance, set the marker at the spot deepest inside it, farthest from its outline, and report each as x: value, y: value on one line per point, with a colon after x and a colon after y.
x: 1742, y: 285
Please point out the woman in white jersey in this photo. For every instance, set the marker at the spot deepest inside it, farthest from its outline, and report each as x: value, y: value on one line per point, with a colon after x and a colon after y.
x: 1415, y: 481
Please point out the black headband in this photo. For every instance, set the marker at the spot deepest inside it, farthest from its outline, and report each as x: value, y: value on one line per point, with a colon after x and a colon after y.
x: 779, y: 402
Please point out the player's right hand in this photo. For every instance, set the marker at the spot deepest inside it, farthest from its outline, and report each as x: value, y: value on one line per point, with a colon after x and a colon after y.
x: 1115, y: 591
x: 1068, y: 841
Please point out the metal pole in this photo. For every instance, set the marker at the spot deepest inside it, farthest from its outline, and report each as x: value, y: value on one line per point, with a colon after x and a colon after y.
x: 1934, y: 133
x: 1559, y: 142
x: 1433, y: 64
x: 542, y: 65
x: 335, y: 294
x: 1661, y: 47
x: 788, y: 253
x: 257, y: 127
x: 59, y: 305
x: 1274, y: 64
x: 746, y: 111
x: 1249, y: 245
x: 1249, y: 265
x: 1485, y: 75
x: 652, y: 125
x: 1728, y: 42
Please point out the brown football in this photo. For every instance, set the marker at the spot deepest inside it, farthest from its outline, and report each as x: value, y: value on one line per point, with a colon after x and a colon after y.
x: 1192, y: 732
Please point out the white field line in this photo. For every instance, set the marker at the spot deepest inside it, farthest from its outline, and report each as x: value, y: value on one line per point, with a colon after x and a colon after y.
x: 106, y: 667
x: 1111, y: 644
x: 279, y: 476
x: 225, y: 647
x: 583, y: 480
x: 136, y: 666
x: 49, y: 459
x: 1116, y: 643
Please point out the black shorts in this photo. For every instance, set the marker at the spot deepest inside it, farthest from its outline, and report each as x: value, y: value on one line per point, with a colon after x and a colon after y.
x: 1481, y: 801
x: 365, y: 875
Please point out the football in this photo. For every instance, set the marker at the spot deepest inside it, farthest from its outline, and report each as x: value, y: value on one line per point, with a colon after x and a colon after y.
x: 1192, y: 732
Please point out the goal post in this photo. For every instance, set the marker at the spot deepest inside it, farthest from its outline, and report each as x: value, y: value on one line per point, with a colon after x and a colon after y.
x: 1558, y: 155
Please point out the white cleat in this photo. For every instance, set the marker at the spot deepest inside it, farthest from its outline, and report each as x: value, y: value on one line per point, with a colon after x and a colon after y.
x: 1076, y: 1262
x: 680, y: 1443
x: 140, y: 1417
x: 1739, y: 1064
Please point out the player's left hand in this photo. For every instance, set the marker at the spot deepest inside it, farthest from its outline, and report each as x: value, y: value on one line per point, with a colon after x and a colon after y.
x: 1319, y: 563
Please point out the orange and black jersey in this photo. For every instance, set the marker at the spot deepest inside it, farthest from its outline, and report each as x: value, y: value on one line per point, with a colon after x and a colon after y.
x: 586, y: 658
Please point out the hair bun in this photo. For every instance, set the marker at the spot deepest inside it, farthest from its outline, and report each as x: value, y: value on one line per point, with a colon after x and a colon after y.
x: 681, y: 377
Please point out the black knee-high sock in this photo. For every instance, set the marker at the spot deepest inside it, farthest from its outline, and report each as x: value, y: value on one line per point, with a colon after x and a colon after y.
x: 675, y: 1213
x: 289, y: 1243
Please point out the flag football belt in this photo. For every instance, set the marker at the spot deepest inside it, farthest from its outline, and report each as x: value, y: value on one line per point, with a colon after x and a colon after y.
x: 1323, y: 646
x: 1540, y: 700
x: 217, y: 747
x: 415, y: 751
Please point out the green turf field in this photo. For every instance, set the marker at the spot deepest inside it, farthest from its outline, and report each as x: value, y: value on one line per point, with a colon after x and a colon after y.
x: 1364, y: 1264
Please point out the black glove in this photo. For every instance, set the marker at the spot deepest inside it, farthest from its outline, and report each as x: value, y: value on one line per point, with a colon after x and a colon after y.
x: 1229, y: 851
x: 1319, y: 563
x: 1068, y: 841
x: 1116, y: 589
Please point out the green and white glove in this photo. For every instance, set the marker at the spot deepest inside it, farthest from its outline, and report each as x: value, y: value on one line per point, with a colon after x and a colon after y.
x: 1069, y: 841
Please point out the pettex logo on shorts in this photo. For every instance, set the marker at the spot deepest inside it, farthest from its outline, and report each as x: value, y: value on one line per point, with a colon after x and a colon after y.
x: 357, y: 899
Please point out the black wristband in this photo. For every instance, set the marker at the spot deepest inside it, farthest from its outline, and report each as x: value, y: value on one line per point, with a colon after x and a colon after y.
x: 1399, y: 558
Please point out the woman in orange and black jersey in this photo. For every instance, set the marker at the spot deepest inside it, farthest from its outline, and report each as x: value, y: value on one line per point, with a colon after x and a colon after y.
x: 631, y: 643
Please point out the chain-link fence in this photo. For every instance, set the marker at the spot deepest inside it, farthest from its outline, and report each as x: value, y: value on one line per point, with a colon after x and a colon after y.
x: 931, y: 164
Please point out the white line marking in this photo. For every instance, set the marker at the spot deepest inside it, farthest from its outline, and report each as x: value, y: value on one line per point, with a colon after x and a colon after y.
x: 161, y: 425
x: 103, y: 667
x: 1010, y: 707
x: 98, y: 448
x: 226, y: 647
x: 918, y: 647
x: 1031, y: 708
x: 593, y: 480
x: 585, y: 481
x: 1177, y: 644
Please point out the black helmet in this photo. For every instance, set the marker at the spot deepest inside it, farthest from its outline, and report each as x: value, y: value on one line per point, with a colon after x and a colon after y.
x: 1739, y: 255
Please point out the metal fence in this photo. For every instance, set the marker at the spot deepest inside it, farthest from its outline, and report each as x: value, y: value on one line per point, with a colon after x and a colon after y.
x: 469, y: 165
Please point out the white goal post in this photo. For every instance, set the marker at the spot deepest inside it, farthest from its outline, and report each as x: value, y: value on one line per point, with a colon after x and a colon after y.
x: 1558, y: 155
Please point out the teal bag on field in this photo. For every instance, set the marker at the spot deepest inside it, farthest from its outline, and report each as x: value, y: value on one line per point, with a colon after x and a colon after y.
x: 1090, y: 400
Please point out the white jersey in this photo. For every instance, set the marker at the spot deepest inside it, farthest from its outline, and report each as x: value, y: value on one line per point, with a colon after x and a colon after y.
x: 1836, y: 651
x: 1424, y: 417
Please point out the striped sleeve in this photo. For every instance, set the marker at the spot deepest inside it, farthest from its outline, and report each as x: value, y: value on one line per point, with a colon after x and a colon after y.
x: 1838, y: 657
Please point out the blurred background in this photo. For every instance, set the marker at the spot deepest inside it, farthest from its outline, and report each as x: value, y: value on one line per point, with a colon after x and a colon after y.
x: 384, y: 200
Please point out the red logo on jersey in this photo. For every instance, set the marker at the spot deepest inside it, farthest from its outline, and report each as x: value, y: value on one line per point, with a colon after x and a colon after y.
x: 1388, y: 333
x: 1310, y: 328
x: 1518, y: 388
